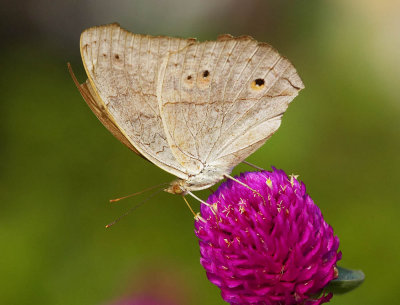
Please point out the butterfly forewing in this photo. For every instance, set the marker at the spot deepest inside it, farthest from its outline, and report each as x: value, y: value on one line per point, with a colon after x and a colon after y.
x: 123, y: 69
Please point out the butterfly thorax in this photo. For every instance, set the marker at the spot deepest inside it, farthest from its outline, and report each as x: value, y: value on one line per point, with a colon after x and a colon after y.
x: 209, y: 176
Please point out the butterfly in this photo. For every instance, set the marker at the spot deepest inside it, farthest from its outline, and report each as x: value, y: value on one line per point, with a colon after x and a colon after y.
x: 194, y: 109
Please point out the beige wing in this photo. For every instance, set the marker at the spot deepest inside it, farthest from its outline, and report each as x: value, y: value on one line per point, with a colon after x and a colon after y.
x: 97, y: 106
x: 221, y: 100
x: 122, y: 73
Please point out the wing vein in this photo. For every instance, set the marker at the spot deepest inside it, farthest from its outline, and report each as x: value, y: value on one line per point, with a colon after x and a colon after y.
x: 180, y: 99
x: 251, y: 126
x: 202, y: 125
x: 240, y: 91
x: 224, y: 91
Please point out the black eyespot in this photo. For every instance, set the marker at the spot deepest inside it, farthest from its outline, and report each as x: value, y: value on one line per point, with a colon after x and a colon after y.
x: 259, y: 82
x: 116, y: 56
x: 189, y: 77
x: 206, y: 73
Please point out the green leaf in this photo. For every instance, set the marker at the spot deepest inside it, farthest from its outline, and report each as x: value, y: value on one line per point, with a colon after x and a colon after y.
x: 346, y: 281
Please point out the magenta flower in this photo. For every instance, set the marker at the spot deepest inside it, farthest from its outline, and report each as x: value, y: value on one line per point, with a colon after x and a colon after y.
x: 269, y: 245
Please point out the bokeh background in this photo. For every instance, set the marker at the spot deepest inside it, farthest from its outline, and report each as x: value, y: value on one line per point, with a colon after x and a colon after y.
x: 59, y: 165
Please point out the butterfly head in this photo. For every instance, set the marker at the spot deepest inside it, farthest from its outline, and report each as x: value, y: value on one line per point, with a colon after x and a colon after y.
x: 176, y: 187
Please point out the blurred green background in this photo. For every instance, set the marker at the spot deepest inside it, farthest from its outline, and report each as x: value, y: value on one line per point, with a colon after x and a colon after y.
x: 59, y: 165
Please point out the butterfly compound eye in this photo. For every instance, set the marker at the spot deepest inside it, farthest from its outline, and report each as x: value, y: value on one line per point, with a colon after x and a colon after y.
x: 258, y: 84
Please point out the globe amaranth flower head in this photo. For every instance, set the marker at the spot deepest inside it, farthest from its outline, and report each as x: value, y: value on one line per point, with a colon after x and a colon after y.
x: 266, y: 242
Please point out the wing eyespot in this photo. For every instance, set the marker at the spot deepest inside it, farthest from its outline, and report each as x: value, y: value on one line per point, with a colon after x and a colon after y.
x: 188, y: 81
x: 203, y: 79
x: 258, y: 84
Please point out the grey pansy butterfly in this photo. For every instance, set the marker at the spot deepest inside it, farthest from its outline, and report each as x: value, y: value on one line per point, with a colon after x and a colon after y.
x: 194, y: 109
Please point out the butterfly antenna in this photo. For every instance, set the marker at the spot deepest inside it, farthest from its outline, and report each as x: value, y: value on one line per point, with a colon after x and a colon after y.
x: 132, y: 209
x: 138, y: 193
x: 245, y: 185
x: 190, y: 208
x: 252, y: 165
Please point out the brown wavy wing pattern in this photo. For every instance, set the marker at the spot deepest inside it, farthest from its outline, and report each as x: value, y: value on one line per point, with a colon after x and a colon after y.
x: 221, y: 100
x: 123, y: 68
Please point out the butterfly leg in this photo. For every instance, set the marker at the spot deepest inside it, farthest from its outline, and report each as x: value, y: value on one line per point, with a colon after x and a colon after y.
x: 197, y: 198
x: 188, y: 205
x: 213, y: 207
x: 252, y: 165
x: 246, y: 186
